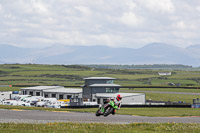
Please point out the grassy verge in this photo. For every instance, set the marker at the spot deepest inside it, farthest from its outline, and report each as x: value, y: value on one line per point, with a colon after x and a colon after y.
x: 9, y: 88
x: 99, y: 128
x: 160, y: 112
x: 186, y: 98
x: 151, y: 112
x: 161, y: 89
x: 171, y: 97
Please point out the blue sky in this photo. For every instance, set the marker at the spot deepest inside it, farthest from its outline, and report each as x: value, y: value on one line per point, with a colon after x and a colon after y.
x: 114, y: 23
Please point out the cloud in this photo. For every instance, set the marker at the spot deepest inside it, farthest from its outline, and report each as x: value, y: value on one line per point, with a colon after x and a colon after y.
x: 115, y: 23
x: 130, y: 19
x: 160, y: 6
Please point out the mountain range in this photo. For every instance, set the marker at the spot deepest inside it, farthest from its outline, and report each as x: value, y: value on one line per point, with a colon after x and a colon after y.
x: 153, y: 53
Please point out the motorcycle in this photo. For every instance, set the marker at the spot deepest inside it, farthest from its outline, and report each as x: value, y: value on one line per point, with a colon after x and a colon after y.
x: 106, y: 109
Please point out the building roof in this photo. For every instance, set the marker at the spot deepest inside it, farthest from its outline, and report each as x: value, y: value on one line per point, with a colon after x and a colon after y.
x: 99, y: 78
x: 64, y: 90
x: 108, y: 95
x: 42, y: 87
x: 104, y: 85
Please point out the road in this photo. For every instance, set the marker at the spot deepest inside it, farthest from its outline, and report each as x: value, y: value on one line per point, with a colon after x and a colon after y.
x: 37, y: 116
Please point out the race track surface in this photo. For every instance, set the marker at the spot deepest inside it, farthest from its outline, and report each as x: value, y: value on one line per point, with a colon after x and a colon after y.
x: 37, y: 116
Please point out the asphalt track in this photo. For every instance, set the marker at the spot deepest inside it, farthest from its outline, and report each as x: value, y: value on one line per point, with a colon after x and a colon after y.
x: 37, y: 116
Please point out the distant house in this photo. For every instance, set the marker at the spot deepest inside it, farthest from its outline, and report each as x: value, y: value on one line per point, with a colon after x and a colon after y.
x: 164, y: 73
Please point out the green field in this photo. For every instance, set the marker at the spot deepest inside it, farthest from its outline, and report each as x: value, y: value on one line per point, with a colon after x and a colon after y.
x: 67, y: 75
x: 32, y: 74
x: 99, y: 128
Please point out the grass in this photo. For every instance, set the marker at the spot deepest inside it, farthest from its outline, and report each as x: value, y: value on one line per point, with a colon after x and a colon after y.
x: 73, y: 75
x: 171, y: 97
x: 183, y: 82
x: 9, y: 88
x: 161, y: 90
x: 160, y: 112
x: 186, y: 98
x: 151, y: 112
x: 99, y: 128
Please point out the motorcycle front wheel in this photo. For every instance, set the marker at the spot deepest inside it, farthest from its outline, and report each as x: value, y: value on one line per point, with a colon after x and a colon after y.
x: 108, y: 110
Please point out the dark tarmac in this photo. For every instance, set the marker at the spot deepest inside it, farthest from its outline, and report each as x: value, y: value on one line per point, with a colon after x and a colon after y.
x: 37, y: 116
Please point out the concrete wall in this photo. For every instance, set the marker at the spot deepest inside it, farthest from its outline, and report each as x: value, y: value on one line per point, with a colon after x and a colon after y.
x: 138, y: 99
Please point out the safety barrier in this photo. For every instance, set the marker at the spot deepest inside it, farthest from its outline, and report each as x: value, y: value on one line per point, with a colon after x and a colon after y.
x: 135, y: 106
x: 158, y: 106
x: 81, y: 106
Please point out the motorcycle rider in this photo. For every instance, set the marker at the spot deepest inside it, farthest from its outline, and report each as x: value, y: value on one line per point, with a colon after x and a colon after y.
x: 114, y: 102
x: 117, y: 102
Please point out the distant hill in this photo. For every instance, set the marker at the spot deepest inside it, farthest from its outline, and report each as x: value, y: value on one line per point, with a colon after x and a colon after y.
x: 12, y: 54
x: 154, y: 53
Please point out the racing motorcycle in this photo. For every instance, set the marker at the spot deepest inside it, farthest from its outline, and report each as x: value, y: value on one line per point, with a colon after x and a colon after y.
x: 106, y: 109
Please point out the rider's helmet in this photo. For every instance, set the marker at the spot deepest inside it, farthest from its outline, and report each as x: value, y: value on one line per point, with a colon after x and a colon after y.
x: 118, y: 97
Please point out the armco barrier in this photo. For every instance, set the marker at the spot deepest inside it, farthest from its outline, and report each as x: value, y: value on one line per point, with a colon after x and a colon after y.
x: 134, y: 106
x: 158, y: 106
x: 82, y: 106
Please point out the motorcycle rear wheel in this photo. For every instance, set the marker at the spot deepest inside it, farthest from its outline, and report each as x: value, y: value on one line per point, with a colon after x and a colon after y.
x: 98, y: 112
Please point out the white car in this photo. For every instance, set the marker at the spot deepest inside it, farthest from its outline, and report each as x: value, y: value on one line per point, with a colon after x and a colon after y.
x: 22, y: 103
x: 9, y: 102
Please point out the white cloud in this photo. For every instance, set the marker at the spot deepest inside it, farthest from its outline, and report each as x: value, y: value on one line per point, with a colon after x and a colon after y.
x: 84, y: 10
x: 130, y: 19
x: 0, y: 8
x: 131, y: 5
x: 115, y: 23
x: 40, y: 7
x: 163, y: 6
x: 181, y: 25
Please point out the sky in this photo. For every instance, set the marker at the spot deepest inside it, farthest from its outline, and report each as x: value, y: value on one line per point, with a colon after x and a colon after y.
x: 113, y: 23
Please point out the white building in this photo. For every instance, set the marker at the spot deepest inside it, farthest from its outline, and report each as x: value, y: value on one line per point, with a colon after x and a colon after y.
x: 37, y: 90
x: 164, y: 73
x: 127, y: 98
x: 63, y: 93
x: 95, y: 89
x: 58, y: 92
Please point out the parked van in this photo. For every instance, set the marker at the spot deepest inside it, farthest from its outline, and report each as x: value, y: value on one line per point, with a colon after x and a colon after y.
x: 43, y: 101
x: 32, y: 100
